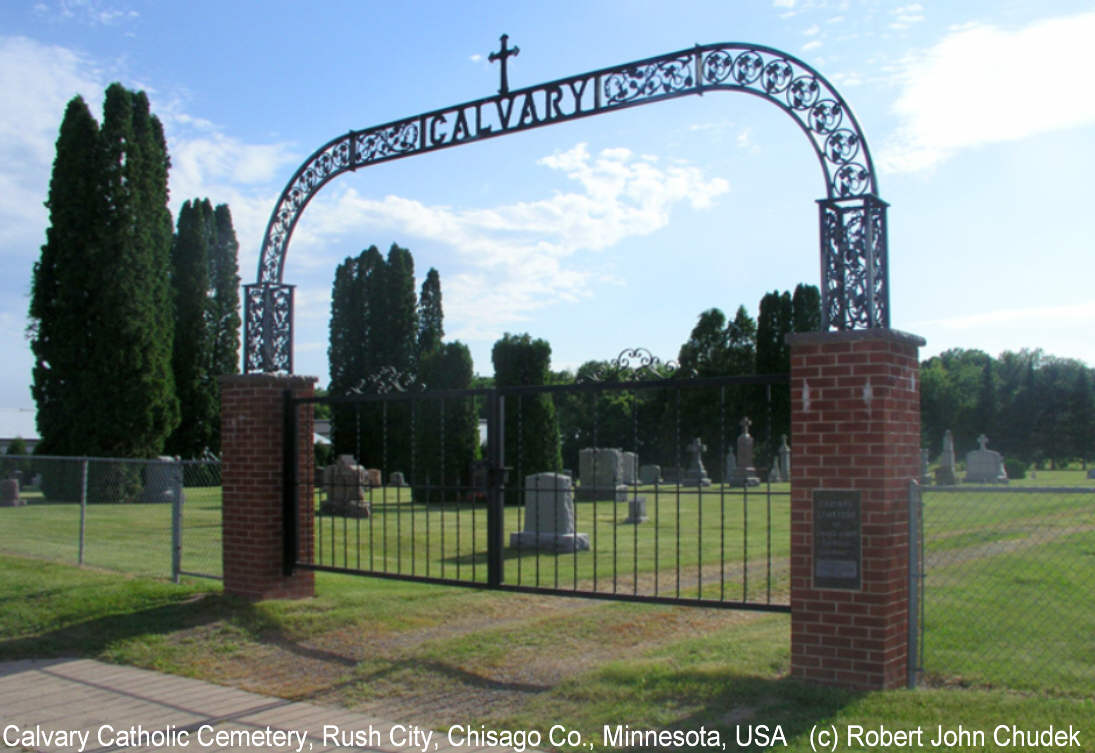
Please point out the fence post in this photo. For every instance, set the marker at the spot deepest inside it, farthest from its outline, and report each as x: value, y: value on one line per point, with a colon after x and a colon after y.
x: 83, y: 508
x: 176, y: 533
x: 916, y: 579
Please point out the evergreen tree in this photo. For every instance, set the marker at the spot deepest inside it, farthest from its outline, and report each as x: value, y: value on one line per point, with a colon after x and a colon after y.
x: 65, y: 392
x: 531, y: 430
x: 430, y: 316
x: 224, y: 278
x: 224, y: 311
x: 447, y: 430
x: 806, y: 308
x: 107, y: 262
x: 192, y: 354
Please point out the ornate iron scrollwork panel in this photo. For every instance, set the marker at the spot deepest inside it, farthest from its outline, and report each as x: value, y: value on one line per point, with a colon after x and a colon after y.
x: 782, y: 79
x: 855, y: 289
x: 268, y: 328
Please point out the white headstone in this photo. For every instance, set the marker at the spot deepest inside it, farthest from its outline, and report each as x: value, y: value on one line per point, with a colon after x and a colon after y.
x: 636, y: 510
x: 984, y: 465
x: 630, y: 468
x: 549, y: 516
x: 600, y: 471
x: 745, y: 474
x: 944, y: 474
x: 650, y: 474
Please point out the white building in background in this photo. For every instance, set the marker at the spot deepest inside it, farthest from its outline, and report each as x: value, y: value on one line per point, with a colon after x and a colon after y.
x: 18, y: 423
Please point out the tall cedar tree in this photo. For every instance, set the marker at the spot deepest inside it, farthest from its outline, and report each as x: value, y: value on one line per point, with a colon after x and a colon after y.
x: 224, y: 310
x: 430, y: 316
x: 447, y: 434
x: 374, y: 325
x: 59, y: 338
x: 103, y: 376
x: 190, y: 253
x: 531, y: 429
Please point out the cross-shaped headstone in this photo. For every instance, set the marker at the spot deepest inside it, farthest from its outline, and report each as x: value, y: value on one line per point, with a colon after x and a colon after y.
x: 697, y: 446
x: 983, y: 442
x: 502, y: 55
x: 745, y: 424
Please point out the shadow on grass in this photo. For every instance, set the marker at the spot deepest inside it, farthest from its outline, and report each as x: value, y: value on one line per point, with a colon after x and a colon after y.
x: 96, y: 636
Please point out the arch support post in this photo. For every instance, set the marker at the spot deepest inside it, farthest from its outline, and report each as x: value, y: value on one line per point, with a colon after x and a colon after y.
x: 855, y: 287
x: 267, y: 328
x: 855, y: 430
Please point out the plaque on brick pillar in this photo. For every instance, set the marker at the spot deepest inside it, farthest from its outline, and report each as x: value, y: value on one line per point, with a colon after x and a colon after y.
x: 838, y: 548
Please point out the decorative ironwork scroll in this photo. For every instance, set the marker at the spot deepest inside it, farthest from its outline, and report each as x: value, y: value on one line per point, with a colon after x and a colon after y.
x: 854, y: 293
x: 785, y: 81
x: 633, y: 365
x: 268, y: 327
x: 385, y: 380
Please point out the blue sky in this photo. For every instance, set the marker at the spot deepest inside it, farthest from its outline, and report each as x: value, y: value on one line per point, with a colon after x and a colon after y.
x: 608, y: 232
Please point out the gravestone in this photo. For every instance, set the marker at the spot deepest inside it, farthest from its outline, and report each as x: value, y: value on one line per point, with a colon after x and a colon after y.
x: 944, y: 474
x: 630, y: 469
x: 729, y: 466
x: 650, y: 474
x: 984, y: 465
x: 925, y: 473
x: 549, y: 516
x: 600, y: 470
x: 1091, y: 473
x: 478, y: 475
x: 372, y: 476
x: 396, y: 479
x: 696, y: 474
x: 347, y: 487
x: 636, y: 510
x: 9, y: 493
x: 745, y: 474
x: 163, y: 481
x: 784, y: 453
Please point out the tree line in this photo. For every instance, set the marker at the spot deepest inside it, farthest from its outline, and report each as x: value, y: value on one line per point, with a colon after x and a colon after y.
x: 1033, y: 407
x: 130, y: 321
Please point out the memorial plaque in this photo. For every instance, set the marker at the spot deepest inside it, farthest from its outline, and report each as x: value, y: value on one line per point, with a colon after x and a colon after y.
x: 837, y: 542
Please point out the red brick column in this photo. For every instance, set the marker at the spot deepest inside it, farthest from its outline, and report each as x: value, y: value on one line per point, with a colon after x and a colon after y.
x: 252, y: 449
x: 855, y: 435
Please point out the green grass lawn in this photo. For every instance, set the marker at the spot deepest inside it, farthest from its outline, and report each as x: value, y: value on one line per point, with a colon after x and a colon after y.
x: 716, y: 543
x: 132, y: 538
x: 500, y: 660
x: 1009, y: 617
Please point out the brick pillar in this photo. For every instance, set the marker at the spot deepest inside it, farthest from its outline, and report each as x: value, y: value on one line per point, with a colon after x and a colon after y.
x: 252, y: 458
x: 855, y: 434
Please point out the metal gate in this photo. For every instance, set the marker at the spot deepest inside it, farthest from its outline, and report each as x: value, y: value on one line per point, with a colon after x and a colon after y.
x: 551, y: 488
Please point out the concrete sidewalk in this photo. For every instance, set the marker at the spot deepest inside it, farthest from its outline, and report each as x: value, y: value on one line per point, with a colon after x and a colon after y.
x: 92, y: 707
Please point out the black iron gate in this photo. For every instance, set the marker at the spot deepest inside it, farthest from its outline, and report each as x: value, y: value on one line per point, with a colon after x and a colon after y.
x: 551, y: 488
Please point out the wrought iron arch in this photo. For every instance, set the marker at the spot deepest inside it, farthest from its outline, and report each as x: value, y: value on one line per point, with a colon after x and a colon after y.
x: 854, y: 268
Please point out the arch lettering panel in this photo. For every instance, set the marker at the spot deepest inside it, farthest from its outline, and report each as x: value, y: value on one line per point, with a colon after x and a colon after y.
x: 852, y: 225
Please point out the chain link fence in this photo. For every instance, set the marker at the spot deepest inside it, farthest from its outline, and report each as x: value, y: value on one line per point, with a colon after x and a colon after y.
x: 148, y: 517
x: 1009, y: 587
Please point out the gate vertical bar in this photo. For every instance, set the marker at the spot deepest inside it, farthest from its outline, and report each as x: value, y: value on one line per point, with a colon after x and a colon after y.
x: 496, y: 412
x: 290, y: 514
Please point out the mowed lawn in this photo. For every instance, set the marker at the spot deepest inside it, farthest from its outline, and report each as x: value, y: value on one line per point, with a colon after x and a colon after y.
x: 1009, y: 613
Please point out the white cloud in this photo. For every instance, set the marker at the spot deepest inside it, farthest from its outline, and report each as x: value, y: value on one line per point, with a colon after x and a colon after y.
x: 91, y: 12
x: 1030, y: 316
x: 520, y: 257
x: 984, y: 85
x: 812, y: 31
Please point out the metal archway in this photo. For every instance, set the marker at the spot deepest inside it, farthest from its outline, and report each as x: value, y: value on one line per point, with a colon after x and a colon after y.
x: 854, y: 269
